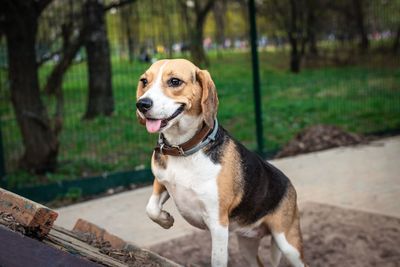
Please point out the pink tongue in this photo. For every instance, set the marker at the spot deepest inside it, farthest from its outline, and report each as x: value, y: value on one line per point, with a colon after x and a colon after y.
x: 153, y: 126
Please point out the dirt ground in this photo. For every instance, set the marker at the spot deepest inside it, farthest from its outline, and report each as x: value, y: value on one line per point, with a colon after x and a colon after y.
x: 319, y: 137
x: 332, y: 237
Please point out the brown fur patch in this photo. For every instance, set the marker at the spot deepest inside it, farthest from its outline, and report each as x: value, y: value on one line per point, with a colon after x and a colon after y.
x: 150, y: 76
x: 209, y: 98
x: 158, y: 188
x: 282, y: 218
x: 229, y: 182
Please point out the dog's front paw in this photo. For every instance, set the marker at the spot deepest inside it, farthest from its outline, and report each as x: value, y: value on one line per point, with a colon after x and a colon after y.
x: 165, y: 220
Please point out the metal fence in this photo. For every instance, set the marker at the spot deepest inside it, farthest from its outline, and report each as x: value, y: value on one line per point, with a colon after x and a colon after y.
x: 357, y: 91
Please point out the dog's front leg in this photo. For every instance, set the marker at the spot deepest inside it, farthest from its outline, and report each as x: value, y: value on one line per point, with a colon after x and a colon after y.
x: 219, y: 242
x: 154, y: 206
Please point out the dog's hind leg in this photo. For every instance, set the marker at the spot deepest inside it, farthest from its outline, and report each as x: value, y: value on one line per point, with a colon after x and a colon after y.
x: 276, y: 253
x: 290, y: 242
x: 154, y: 206
x: 248, y: 247
x: 292, y: 253
x: 284, y: 225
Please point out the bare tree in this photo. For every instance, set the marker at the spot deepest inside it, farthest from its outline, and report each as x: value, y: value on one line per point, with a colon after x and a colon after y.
x: 168, y: 35
x: 359, y: 16
x: 353, y: 16
x: 290, y: 16
x: 195, y: 17
x: 219, y: 12
x: 396, y: 43
x: 312, y: 26
x: 295, y: 35
x: 130, y: 23
x: 100, y: 99
x: 100, y: 96
x: 19, y: 23
x: 20, y: 26
x: 71, y: 44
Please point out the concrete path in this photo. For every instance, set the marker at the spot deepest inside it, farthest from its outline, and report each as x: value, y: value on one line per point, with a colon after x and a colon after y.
x: 365, y: 177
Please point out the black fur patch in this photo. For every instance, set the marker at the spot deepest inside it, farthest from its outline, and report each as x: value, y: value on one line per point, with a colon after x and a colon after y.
x: 264, y: 187
x: 216, y: 148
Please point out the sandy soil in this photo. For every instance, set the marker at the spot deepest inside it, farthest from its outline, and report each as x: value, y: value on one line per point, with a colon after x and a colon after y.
x: 332, y: 236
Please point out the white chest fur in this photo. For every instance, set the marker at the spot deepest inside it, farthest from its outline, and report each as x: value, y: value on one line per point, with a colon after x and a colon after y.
x: 192, y: 183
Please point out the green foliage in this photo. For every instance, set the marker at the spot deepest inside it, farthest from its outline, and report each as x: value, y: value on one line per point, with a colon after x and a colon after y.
x: 74, y: 193
x: 359, y: 99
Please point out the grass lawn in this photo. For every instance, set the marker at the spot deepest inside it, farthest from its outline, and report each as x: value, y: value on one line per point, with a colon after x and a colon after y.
x: 361, y: 99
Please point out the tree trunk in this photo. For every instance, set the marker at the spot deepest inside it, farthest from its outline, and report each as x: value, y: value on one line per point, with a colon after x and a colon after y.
x: 312, y: 44
x: 295, y: 57
x: 100, y: 97
x: 196, y: 29
x: 130, y: 23
x: 40, y: 142
x: 199, y: 56
x: 55, y: 79
x: 360, y: 21
x: 396, y: 43
x: 311, y: 28
x: 169, y: 36
x: 293, y: 35
x: 70, y: 49
x: 131, y: 45
x: 219, y: 11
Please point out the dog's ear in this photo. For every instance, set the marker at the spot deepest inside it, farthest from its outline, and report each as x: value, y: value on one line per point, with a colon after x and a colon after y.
x: 209, y: 98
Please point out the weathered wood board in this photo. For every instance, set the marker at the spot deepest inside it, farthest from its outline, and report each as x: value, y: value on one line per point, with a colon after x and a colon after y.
x: 65, y: 240
x: 34, y: 216
x: 85, y: 227
x: 29, y: 238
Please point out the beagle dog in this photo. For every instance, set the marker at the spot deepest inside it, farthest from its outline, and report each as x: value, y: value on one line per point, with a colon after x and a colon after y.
x: 215, y: 182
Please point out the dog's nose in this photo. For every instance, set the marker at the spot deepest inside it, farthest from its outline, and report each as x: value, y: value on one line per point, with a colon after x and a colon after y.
x: 144, y: 104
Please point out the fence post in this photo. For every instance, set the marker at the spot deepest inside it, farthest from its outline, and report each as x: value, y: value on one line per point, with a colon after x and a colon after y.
x: 256, y: 77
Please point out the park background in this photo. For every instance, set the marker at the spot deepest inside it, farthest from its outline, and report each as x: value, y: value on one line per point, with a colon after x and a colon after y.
x: 69, y: 70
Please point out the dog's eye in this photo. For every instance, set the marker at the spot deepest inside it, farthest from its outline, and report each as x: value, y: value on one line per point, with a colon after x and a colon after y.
x: 174, y: 82
x: 144, y: 81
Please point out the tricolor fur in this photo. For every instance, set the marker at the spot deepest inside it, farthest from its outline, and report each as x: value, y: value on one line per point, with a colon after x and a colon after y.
x: 223, y: 187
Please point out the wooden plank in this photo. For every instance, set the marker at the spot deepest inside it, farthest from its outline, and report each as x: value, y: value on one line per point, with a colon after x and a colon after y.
x: 82, y: 226
x: 65, y: 240
x: 151, y: 256
x: 31, y: 215
x: 17, y: 250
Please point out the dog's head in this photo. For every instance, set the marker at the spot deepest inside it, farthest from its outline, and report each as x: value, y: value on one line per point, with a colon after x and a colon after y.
x: 172, y: 89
